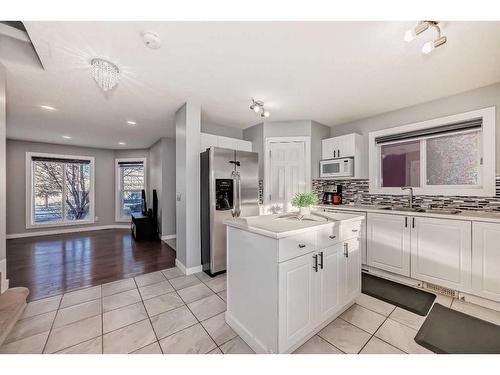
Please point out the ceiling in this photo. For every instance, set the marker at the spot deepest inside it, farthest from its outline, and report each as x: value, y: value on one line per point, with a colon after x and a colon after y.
x: 331, y: 72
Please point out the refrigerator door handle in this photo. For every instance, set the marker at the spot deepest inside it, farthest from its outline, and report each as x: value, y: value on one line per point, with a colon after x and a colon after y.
x: 238, y: 179
x: 234, y: 210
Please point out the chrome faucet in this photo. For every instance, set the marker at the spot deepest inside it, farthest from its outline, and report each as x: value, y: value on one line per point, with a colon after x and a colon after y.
x: 411, y: 194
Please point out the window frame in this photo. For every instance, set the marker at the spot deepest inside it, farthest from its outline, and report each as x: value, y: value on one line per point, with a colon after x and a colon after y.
x: 118, y: 201
x: 30, y: 197
x: 487, y: 151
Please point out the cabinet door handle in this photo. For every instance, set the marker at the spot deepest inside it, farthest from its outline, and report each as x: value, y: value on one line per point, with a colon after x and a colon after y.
x: 354, y: 230
x: 332, y: 237
x: 338, y: 153
x: 301, y: 245
x: 413, y: 222
x: 321, y: 259
x: 406, y: 221
x: 346, y: 250
x: 334, y: 152
x: 315, y: 266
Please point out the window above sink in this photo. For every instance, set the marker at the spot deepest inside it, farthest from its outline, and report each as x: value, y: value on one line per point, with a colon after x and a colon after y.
x: 452, y: 155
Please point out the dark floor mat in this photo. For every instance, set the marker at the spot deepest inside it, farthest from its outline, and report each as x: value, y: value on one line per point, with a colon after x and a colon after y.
x: 411, y: 299
x: 448, y: 331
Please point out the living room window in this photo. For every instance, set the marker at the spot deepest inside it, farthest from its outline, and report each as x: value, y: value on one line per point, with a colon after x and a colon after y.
x: 60, y: 190
x: 447, y: 156
x: 130, y: 181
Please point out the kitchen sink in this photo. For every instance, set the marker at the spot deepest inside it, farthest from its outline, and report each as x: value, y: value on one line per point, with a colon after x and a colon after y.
x: 399, y: 208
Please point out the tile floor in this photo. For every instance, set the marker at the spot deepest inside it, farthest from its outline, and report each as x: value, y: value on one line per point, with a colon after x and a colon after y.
x: 168, y: 312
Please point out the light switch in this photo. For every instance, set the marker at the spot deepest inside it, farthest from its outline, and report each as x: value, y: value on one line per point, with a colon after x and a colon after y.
x: 179, y: 197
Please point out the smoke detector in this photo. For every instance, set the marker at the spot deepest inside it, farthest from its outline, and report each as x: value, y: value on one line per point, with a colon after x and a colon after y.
x: 151, y: 40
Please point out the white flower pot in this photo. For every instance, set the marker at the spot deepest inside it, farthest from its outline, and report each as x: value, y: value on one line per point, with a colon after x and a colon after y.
x: 304, y: 211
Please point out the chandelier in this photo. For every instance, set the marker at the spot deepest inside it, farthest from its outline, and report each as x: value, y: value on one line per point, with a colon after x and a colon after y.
x: 105, y: 73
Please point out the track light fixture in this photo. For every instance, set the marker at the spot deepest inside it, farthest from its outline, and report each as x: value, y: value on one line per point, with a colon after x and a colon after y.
x: 420, y: 28
x: 258, y: 107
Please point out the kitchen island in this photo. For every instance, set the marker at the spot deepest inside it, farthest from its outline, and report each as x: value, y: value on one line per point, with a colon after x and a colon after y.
x: 288, y: 278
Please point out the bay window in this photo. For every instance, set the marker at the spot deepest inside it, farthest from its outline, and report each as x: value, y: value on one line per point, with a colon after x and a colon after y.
x: 447, y: 156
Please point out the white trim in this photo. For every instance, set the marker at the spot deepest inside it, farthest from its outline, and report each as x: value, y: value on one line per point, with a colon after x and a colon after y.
x: 168, y: 237
x: 267, y: 163
x: 30, y: 198
x: 488, y: 153
x: 4, y: 282
x: 187, y: 271
x: 118, y: 217
x: 62, y: 231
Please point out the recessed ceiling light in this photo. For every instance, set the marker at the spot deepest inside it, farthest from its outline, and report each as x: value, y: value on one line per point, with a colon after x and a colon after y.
x: 122, y: 143
x: 66, y: 137
x: 48, y: 107
x: 131, y: 122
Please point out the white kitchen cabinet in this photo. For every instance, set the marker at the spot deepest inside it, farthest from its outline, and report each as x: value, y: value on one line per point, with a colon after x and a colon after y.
x: 350, y: 275
x: 330, y: 279
x: 207, y: 141
x: 388, y: 242
x: 441, y: 252
x: 486, y: 260
x: 210, y: 140
x: 348, y: 146
x: 297, y: 285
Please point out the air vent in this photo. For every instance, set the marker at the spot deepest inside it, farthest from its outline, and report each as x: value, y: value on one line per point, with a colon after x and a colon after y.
x: 441, y: 290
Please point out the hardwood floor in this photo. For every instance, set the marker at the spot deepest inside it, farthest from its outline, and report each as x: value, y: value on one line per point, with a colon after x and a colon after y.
x: 50, y: 265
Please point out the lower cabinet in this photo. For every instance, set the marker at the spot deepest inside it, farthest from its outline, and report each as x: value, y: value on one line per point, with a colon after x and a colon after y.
x: 486, y: 260
x: 314, y: 287
x: 441, y: 252
x: 388, y: 243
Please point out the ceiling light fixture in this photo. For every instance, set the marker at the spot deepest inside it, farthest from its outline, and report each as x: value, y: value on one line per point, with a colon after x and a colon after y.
x: 105, y: 73
x: 131, y: 122
x: 258, y: 107
x: 66, y: 137
x: 122, y: 143
x: 420, y: 28
x: 48, y: 107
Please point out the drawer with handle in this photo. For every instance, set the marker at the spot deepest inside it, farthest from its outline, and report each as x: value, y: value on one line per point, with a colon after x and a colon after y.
x: 328, y: 236
x: 350, y: 230
x: 293, y: 246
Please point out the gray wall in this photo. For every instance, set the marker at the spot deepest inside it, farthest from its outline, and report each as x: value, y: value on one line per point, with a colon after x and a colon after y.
x: 2, y: 165
x: 468, y: 101
x: 162, y: 178
x: 187, y: 155
x: 104, y: 177
x: 257, y: 134
x: 225, y: 131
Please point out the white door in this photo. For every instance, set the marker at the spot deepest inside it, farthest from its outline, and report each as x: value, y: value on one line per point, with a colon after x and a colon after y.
x: 441, y: 252
x: 297, y: 284
x: 486, y: 260
x: 351, y: 271
x: 388, y: 242
x: 329, y: 281
x: 287, y: 174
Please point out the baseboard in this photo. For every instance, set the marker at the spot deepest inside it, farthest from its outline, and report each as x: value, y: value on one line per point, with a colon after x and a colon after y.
x: 187, y: 271
x: 4, y: 283
x: 69, y: 230
x: 168, y: 237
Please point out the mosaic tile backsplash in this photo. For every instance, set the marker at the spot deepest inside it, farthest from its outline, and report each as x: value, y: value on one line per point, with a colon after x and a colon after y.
x: 356, y: 191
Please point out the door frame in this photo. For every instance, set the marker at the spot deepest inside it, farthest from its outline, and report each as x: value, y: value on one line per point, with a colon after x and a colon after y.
x: 267, y: 162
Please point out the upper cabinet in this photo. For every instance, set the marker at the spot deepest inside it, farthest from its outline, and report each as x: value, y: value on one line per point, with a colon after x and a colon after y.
x: 348, y: 146
x: 209, y: 140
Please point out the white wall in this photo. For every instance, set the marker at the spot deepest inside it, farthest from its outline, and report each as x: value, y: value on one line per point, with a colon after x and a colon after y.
x: 467, y: 101
x: 187, y: 154
x: 3, y: 262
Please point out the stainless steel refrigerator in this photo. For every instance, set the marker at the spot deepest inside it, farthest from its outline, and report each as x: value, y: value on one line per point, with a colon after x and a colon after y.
x: 229, y: 188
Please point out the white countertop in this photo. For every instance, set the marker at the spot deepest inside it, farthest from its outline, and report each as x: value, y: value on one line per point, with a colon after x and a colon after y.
x: 491, y: 217
x: 276, y: 227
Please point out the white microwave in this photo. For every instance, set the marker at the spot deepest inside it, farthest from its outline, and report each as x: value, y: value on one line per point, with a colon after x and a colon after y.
x: 336, y: 168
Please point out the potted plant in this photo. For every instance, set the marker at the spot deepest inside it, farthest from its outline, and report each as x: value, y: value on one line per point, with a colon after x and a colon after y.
x: 304, y: 201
